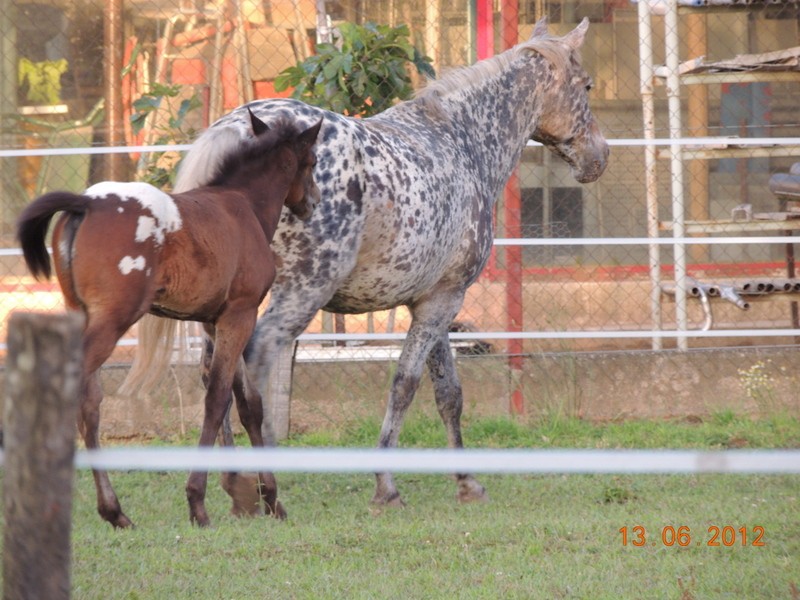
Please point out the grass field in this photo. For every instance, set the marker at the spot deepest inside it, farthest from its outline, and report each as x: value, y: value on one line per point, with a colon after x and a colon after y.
x: 539, y: 537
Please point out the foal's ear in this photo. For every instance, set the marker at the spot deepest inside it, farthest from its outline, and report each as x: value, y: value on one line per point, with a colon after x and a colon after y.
x: 540, y: 29
x: 309, y: 136
x: 259, y: 127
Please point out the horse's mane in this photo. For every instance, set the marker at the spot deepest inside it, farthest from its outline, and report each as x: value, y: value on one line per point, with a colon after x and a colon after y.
x: 198, y: 165
x: 250, y: 149
x: 465, y: 77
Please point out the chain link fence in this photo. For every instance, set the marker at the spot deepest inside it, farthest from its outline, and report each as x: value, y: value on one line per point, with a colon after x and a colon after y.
x: 101, y: 75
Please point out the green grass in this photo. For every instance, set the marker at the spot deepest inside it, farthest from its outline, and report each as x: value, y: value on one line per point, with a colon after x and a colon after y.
x: 720, y: 431
x: 544, y: 537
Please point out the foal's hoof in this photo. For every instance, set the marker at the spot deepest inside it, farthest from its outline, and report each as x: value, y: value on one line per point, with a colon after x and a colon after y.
x: 199, y: 518
x: 470, y: 490
x: 122, y: 522
x: 278, y: 511
x: 117, y: 519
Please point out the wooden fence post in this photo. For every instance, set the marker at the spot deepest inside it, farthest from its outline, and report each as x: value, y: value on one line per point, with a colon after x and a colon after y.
x: 43, y: 380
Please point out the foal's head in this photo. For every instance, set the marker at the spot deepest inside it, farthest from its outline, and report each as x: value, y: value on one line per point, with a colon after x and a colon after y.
x: 273, y: 158
x: 567, y: 126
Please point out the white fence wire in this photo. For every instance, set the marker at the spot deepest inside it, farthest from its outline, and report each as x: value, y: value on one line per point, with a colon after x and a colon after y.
x: 497, y: 461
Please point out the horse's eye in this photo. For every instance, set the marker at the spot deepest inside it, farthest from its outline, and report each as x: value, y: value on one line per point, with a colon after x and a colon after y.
x: 589, y: 85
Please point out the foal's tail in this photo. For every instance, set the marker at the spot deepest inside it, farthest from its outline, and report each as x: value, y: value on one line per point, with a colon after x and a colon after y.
x: 156, y: 335
x: 34, y: 221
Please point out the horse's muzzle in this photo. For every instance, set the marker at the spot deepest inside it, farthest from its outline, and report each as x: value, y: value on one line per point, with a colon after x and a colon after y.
x: 594, y: 161
x: 304, y: 213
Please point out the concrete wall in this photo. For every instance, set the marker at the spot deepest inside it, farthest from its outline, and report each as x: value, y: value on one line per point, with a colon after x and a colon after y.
x: 598, y: 386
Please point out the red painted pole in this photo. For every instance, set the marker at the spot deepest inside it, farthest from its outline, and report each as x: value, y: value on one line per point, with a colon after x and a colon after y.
x: 484, y: 48
x: 484, y: 23
x: 512, y: 213
x: 514, y: 309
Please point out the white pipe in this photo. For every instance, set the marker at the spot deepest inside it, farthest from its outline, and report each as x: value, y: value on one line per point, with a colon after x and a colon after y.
x: 672, y: 50
x: 651, y: 183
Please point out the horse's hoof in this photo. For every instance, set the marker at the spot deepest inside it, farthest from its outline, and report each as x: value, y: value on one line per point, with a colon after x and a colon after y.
x: 122, y: 522
x: 471, y: 491
x: 116, y: 518
x: 393, y: 500
x: 200, y: 519
x: 243, y: 490
x: 278, y: 511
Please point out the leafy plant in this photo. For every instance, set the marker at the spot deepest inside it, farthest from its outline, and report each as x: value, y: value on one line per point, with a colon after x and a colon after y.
x: 169, y: 126
x: 362, y: 73
x: 41, y: 80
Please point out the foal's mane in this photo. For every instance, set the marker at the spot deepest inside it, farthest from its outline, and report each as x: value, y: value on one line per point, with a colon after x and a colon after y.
x: 251, y: 149
x: 465, y: 77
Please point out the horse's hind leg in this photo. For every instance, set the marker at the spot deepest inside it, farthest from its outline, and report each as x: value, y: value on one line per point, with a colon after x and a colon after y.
x: 108, y: 505
x: 449, y: 402
x: 99, y: 342
x: 430, y: 320
x: 251, y: 412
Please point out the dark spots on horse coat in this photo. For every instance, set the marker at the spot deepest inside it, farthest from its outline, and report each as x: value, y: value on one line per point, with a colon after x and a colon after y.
x: 329, y: 134
x: 354, y: 193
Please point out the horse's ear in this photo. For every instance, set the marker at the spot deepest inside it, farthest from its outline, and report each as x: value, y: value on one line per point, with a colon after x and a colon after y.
x: 259, y: 127
x: 309, y: 136
x: 574, y: 38
x: 540, y: 29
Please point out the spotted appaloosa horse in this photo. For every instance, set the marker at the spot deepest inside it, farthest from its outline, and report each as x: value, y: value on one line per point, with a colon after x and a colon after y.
x: 406, y: 209
x: 126, y: 249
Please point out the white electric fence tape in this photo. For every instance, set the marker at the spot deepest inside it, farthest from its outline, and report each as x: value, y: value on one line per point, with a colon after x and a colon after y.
x: 629, y: 142
x: 500, y: 461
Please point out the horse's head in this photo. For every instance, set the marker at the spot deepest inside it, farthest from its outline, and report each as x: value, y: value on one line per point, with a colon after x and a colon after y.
x: 275, y: 163
x: 296, y: 160
x: 304, y: 194
x: 566, y: 125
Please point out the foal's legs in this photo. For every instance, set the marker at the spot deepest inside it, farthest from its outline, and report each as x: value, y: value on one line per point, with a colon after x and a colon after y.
x: 232, y: 330
x: 251, y: 412
x: 100, y: 337
x: 449, y: 401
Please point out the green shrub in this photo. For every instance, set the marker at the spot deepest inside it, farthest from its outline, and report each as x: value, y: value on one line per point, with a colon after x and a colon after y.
x: 362, y: 73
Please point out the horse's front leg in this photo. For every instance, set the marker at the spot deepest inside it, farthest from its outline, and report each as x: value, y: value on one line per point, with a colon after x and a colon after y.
x: 230, y: 336
x: 247, y: 491
x: 251, y: 413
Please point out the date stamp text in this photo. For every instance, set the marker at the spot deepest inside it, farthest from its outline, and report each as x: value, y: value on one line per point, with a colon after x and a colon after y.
x: 683, y: 535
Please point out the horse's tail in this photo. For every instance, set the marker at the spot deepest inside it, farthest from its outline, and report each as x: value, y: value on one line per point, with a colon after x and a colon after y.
x: 34, y: 221
x: 152, y: 356
x: 156, y: 336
